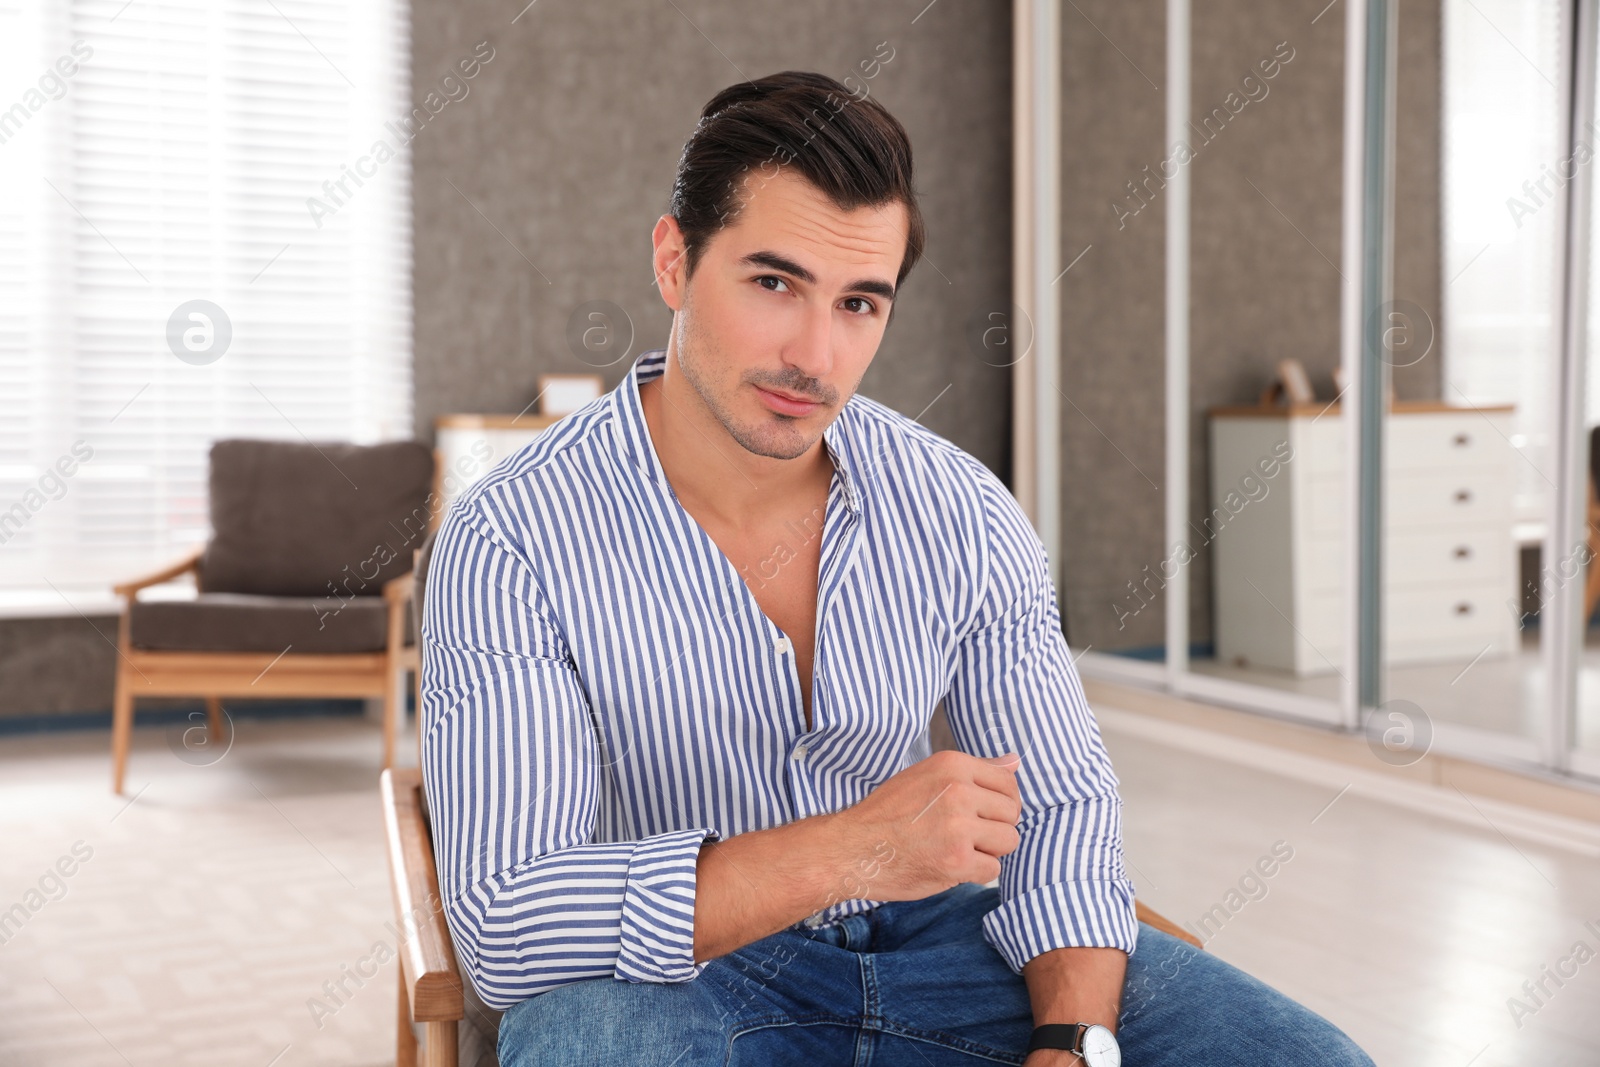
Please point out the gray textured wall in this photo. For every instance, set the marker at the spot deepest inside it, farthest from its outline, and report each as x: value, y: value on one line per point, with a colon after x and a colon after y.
x: 536, y: 193
x: 568, y: 142
x: 1264, y: 258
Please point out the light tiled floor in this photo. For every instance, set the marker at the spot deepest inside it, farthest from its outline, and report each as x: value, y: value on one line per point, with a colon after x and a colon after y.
x: 216, y: 905
x: 1506, y: 694
x: 1409, y: 931
x: 216, y: 901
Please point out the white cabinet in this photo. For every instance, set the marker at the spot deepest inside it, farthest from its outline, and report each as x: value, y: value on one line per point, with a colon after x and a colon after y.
x: 466, y: 447
x: 1277, y: 536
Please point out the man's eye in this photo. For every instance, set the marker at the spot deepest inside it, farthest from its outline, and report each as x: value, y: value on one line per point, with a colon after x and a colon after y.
x: 770, y: 278
x: 867, y: 307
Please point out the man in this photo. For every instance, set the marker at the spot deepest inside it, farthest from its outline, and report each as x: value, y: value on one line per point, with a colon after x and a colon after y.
x: 680, y: 660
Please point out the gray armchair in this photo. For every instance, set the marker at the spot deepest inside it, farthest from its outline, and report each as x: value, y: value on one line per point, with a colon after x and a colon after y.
x: 303, y: 589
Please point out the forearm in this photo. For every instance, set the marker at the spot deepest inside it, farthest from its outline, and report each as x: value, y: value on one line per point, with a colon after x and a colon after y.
x: 757, y: 883
x: 1076, y: 985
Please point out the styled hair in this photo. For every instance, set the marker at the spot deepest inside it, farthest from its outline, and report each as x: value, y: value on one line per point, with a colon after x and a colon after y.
x: 849, y: 147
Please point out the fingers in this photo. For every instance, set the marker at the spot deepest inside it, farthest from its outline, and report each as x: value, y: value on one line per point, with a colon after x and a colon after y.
x: 996, y: 806
x: 1000, y: 777
x: 995, y: 838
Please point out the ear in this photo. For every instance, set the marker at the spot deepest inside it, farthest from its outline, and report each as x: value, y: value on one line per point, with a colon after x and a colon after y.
x: 669, y: 262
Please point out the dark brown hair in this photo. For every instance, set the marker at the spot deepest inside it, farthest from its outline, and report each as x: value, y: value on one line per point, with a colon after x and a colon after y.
x: 849, y: 147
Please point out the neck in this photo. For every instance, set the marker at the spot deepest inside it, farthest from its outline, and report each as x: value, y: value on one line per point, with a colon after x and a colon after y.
x: 709, y: 470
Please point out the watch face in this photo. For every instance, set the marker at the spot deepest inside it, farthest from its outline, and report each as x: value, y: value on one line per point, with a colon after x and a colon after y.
x: 1100, y: 1048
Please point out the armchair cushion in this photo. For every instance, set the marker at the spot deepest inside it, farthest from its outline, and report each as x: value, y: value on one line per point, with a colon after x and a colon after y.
x: 296, y: 519
x: 244, y: 622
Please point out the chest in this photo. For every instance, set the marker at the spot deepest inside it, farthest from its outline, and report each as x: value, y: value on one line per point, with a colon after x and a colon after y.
x: 688, y: 678
x: 781, y: 564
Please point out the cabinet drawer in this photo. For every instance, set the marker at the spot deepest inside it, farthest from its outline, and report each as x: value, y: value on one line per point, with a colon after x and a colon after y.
x: 1463, y: 556
x: 1320, y: 446
x: 1446, y: 441
x: 1430, y: 498
x: 1419, y: 622
x: 1457, y: 441
x: 1467, y: 555
x: 1447, y: 498
x: 1447, y: 621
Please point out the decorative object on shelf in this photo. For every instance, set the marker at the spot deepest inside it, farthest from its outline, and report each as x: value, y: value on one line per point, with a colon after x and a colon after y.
x: 562, y: 394
x: 1291, y: 384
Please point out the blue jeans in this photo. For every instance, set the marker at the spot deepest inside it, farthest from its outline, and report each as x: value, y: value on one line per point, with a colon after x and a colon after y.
x: 908, y: 984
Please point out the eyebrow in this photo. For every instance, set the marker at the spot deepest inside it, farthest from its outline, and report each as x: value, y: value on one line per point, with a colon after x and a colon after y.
x: 776, y: 261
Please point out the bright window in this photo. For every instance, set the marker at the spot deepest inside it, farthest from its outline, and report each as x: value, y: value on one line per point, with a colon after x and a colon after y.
x: 154, y: 155
x: 1503, y: 139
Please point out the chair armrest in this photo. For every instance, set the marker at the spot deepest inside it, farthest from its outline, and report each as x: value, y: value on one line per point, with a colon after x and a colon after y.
x: 428, y: 971
x: 1151, y: 917
x: 166, y: 574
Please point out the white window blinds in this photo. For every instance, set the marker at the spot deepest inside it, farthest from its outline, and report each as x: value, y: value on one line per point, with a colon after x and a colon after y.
x: 170, y: 160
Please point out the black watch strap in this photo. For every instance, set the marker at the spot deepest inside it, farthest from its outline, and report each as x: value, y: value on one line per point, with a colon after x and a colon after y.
x: 1057, y: 1035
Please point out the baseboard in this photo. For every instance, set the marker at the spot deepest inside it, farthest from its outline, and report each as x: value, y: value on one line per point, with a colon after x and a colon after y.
x: 176, y: 714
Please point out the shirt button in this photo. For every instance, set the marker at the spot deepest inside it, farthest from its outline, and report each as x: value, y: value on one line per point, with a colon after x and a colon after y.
x: 800, y: 752
x: 783, y: 645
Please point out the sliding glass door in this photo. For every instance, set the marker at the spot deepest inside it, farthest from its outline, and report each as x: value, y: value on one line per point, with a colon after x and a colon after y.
x: 1469, y: 339
x: 1385, y: 506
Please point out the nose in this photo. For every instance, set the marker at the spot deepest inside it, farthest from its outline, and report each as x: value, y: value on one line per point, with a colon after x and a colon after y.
x: 811, y: 351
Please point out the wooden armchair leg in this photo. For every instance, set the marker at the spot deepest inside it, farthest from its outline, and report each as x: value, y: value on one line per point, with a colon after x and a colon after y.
x: 391, y: 712
x: 405, y: 1042
x: 1591, y: 585
x: 397, y: 593
x: 1591, y: 588
x: 214, y: 717
x: 121, y: 726
x: 439, y: 1045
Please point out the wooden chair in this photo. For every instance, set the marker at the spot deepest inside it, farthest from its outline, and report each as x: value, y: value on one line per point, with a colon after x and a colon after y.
x: 1591, y: 590
x: 432, y: 1001
x: 442, y: 1023
x: 304, y: 587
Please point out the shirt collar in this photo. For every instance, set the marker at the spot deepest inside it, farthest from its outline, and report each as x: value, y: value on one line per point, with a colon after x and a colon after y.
x: 634, y: 433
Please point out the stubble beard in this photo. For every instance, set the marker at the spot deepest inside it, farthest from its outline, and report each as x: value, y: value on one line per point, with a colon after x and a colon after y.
x: 775, y: 436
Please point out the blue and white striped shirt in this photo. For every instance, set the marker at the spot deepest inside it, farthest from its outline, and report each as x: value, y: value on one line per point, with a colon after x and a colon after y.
x: 601, y: 694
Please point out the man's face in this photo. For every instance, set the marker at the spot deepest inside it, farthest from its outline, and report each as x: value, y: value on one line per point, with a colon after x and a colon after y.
x: 785, y: 310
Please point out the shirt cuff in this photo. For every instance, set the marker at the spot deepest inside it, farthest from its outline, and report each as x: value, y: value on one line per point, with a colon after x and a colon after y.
x: 657, y: 942
x: 1063, y: 915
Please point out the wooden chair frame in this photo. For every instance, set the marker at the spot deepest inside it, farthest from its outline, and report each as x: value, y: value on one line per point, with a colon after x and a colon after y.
x: 1591, y: 590
x: 431, y: 1001
x: 215, y: 675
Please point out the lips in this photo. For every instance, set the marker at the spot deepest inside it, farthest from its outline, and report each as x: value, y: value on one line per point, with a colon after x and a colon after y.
x: 787, y: 403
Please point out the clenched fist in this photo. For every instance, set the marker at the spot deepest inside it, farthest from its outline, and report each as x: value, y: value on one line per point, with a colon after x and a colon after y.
x: 945, y: 820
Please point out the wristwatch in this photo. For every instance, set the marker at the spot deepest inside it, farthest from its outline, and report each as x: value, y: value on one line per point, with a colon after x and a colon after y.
x: 1093, y: 1042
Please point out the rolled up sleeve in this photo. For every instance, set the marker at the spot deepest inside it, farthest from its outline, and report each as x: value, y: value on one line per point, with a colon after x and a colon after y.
x: 511, y: 771
x: 1015, y: 690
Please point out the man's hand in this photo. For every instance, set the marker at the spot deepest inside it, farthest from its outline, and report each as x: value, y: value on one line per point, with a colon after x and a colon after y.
x: 945, y: 820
